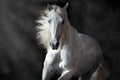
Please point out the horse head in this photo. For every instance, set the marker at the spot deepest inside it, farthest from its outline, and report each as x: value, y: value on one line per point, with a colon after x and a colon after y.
x: 56, y: 22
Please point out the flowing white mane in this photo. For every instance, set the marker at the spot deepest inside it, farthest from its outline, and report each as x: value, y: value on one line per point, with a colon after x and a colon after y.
x: 43, y: 34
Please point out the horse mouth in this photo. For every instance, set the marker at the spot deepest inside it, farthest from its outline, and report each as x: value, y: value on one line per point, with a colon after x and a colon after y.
x: 54, y: 46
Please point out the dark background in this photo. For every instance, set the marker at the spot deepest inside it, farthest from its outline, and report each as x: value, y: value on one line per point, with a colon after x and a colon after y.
x: 21, y: 57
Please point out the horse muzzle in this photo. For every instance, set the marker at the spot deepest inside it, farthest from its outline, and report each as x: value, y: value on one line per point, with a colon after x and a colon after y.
x: 54, y: 44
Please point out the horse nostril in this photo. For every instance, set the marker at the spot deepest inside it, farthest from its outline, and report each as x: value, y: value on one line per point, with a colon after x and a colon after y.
x: 53, y: 45
x: 57, y: 44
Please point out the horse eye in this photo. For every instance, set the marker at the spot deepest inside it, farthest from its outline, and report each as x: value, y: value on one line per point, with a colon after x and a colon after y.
x: 63, y: 21
x: 49, y: 21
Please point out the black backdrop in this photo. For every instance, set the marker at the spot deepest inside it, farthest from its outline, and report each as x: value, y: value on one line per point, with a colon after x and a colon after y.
x: 21, y: 57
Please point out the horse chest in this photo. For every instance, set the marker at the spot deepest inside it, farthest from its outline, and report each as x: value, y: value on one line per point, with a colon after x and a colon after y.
x: 68, y: 58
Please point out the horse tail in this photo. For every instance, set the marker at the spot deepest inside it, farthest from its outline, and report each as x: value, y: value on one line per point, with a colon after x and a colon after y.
x: 103, y: 71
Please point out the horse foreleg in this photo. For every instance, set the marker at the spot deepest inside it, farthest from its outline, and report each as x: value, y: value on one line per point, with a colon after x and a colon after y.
x: 49, y: 68
x: 66, y: 75
x: 48, y: 71
x: 45, y: 74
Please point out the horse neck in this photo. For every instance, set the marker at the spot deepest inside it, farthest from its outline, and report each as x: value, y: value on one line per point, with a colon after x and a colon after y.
x: 66, y: 36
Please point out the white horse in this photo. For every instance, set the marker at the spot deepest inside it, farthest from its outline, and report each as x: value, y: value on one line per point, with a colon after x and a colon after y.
x: 69, y: 53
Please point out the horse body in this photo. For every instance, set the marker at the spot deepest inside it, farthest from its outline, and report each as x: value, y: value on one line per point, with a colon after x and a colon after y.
x: 69, y: 53
x: 78, y: 51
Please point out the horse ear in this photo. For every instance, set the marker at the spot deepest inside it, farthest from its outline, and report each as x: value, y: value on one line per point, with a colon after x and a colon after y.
x: 66, y: 6
x: 49, y: 7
